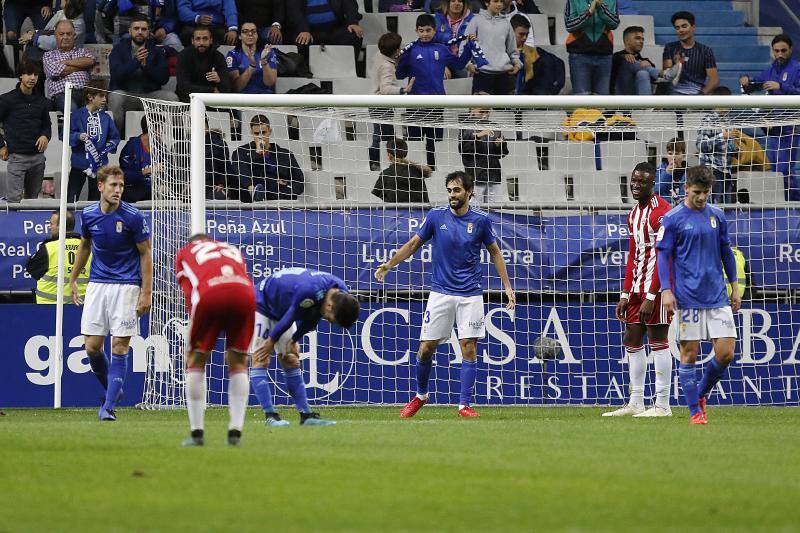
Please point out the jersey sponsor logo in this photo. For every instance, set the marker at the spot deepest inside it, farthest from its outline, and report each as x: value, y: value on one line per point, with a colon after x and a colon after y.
x: 119, y: 226
x: 469, y: 227
x: 308, y: 302
x: 713, y: 220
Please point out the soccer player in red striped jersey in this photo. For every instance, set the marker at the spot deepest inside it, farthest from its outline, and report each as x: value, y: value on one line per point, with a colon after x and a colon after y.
x: 220, y: 296
x: 639, y: 304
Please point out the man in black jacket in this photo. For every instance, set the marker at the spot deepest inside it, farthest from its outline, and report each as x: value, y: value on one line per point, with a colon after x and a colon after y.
x: 201, y: 69
x: 325, y: 22
x: 266, y: 171
x: 481, y: 150
x: 269, y: 17
x: 26, y: 121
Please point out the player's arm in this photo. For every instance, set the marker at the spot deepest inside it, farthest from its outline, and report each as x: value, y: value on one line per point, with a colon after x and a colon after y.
x: 627, y: 285
x: 664, y: 249
x: 401, y: 255
x: 146, y: 264
x: 729, y: 264
x: 84, y: 248
x: 502, y: 271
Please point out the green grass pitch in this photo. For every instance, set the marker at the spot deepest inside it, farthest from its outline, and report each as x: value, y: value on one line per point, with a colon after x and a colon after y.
x: 514, y: 469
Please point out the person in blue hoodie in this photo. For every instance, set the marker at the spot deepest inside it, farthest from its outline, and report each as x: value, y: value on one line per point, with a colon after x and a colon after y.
x: 426, y: 60
x: 783, y: 142
x: 92, y: 136
x: 135, y: 163
x: 219, y: 15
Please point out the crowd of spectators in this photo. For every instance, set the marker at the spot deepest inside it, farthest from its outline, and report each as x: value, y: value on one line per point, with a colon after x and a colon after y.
x: 168, y: 49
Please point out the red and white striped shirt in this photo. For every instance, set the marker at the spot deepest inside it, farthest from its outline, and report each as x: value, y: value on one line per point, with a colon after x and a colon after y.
x: 641, y: 272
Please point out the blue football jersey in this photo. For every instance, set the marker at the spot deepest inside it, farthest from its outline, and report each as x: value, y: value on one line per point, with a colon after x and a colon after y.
x: 457, y: 243
x: 294, y: 294
x: 115, y: 257
x: 237, y: 60
x: 697, y: 243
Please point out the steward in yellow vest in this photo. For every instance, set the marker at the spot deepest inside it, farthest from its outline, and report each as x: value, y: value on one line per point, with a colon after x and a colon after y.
x: 43, y: 265
x: 741, y: 271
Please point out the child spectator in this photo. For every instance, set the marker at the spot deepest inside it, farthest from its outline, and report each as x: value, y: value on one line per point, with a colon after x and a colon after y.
x: 716, y: 142
x: 135, y: 163
x: 671, y: 173
x: 92, y: 135
x: 402, y: 181
x: 383, y: 81
x: 252, y: 70
x: 426, y: 61
x: 499, y: 45
x: 481, y: 150
x: 541, y: 72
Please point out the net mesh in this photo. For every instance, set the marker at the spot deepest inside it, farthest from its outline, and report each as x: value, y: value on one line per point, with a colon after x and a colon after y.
x: 555, y: 183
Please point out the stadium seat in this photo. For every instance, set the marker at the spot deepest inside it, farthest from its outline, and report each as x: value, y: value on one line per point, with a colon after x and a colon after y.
x: 572, y: 156
x: 766, y: 188
x: 100, y: 53
x: 458, y: 86
x: 597, y: 187
x: 543, y: 123
x: 359, y: 185
x: 351, y: 86
x: 645, y: 21
x: 219, y: 120
x: 322, y: 187
x: 552, y: 7
x: 8, y: 84
x: 561, y: 32
x: 284, y: 85
x: 133, y: 124
x: 374, y: 25
x: 332, y: 61
x: 540, y: 30
x: 224, y: 49
x: 622, y: 156
x: 541, y: 187
x: 171, y: 85
x: 406, y: 24
x: 523, y: 156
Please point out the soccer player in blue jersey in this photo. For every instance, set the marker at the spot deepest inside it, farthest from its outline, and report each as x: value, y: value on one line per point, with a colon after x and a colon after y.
x: 289, y: 304
x: 458, y: 232
x: 120, y: 281
x: 693, y: 248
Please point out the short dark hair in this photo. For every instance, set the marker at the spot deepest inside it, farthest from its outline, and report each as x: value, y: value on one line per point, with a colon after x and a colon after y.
x: 722, y: 90
x: 345, y: 308
x: 95, y: 87
x: 258, y: 120
x: 782, y: 38
x: 646, y: 168
x: 29, y: 66
x: 389, y: 43
x: 139, y: 17
x: 467, y: 181
x: 682, y: 15
x: 144, y: 124
x: 109, y: 170
x: 70, y: 218
x: 520, y: 21
x: 676, y: 145
x: 700, y: 175
x: 203, y: 28
x: 397, y: 148
x: 425, y: 20
x: 632, y: 29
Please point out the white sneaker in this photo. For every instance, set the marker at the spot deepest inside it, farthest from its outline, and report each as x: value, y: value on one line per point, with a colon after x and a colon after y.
x: 655, y: 411
x: 673, y: 73
x: 626, y: 410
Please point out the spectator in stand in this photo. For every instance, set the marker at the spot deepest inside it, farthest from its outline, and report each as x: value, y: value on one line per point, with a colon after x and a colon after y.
x: 403, y: 181
x: 267, y: 171
x: 696, y: 71
x: 542, y: 72
x: 630, y: 72
x: 220, y: 183
x: 590, y: 43
x: 201, y: 68
x: 92, y: 135
x: 716, y: 143
x: 325, y: 22
x: 383, y: 81
x: 139, y: 68
x: 164, y: 16
x: 219, y: 16
x: 671, y: 173
x: 252, y: 70
x: 44, y: 40
x: 268, y: 15
x: 25, y: 115
x: 118, y: 15
x: 426, y: 61
x: 67, y: 63
x: 16, y: 11
x: 481, y: 150
x: 783, y: 142
x: 499, y: 45
x: 136, y: 165
x: 451, y: 23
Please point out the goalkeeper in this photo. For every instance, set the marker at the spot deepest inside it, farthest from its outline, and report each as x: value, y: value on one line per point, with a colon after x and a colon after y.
x: 289, y: 304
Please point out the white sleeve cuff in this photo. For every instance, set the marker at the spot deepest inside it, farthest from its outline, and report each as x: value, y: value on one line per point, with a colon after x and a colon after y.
x: 650, y: 296
x: 625, y: 295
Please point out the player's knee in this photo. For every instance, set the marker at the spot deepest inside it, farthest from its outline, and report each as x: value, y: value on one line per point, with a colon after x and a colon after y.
x: 120, y: 345
x: 289, y: 361
x: 469, y: 351
x: 724, y: 356
x: 426, y: 351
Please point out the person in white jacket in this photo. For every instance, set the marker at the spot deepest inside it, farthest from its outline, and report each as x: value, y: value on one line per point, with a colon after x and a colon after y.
x: 496, y: 37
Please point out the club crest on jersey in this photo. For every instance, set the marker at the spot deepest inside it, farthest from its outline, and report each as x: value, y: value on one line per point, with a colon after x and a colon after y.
x: 308, y: 302
x: 119, y: 226
x: 713, y: 220
x: 436, y: 55
x: 785, y: 76
x: 469, y: 227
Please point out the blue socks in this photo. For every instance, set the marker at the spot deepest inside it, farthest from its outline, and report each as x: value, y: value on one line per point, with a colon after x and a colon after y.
x: 688, y: 380
x: 711, y: 377
x: 116, y: 378
x: 467, y: 381
x: 297, y: 388
x: 99, y: 365
x: 423, y: 375
x: 261, y: 387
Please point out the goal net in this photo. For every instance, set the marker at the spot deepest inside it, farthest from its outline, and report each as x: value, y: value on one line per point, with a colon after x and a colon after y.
x: 293, y: 182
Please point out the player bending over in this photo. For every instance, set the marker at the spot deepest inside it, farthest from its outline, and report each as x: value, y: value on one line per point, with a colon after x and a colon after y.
x: 289, y: 304
x: 120, y: 282
x: 219, y: 296
x: 693, y: 247
x: 458, y: 232
x: 639, y: 306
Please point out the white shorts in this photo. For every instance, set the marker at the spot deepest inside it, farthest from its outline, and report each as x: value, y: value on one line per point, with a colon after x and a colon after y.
x: 110, y: 307
x: 264, y: 325
x: 705, y: 324
x: 444, y: 309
